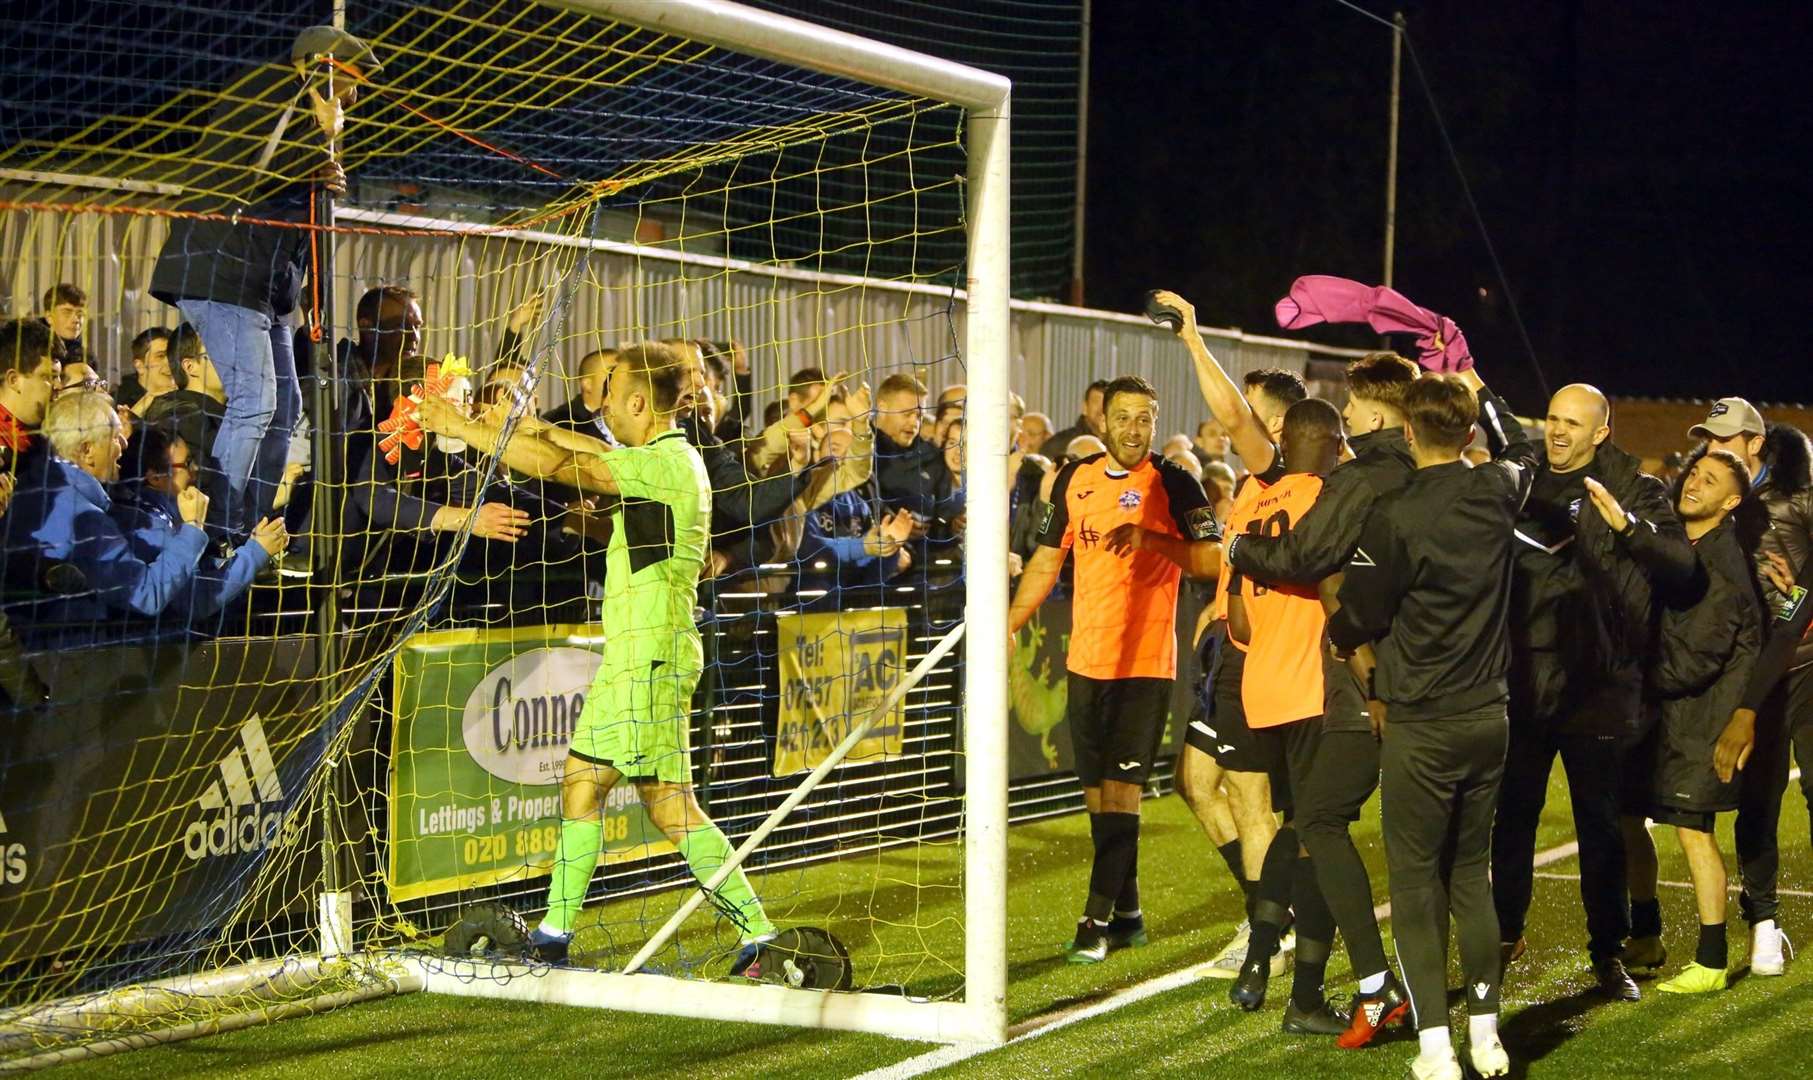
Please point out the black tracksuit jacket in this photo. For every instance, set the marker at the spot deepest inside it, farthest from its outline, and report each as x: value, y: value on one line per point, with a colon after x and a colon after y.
x: 1710, y: 638
x: 1583, y: 614
x: 1430, y: 580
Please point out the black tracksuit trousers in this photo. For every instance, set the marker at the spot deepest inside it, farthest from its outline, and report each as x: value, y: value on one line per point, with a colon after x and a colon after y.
x: 1594, y: 766
x: 1440, y: 783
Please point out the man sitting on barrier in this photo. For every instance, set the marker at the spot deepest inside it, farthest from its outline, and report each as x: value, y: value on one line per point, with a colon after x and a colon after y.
x: 636, y: 720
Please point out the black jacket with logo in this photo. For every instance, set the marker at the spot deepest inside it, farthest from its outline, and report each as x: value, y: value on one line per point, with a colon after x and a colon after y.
x: 1583, y: 617
x: 1710, y: 637
x: 1430, y: 580
x: 1323, y: 541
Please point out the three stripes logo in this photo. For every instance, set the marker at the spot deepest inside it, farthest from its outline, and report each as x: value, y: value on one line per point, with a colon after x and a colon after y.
x: 242, y: 810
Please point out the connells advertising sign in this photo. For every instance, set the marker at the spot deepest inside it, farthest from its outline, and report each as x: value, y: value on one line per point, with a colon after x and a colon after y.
x: 483, y: 722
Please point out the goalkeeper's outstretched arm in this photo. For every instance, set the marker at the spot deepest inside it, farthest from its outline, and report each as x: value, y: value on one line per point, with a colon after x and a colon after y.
x: 532, y: 449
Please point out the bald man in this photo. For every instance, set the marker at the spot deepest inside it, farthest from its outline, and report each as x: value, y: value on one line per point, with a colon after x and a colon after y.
x: 1581, y: 636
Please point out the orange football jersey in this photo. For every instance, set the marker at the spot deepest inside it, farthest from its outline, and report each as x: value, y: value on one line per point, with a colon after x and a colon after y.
x: 1124, y: 608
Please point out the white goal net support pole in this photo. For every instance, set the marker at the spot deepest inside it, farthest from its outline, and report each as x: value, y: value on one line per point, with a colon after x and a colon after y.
x: 981, y: 1014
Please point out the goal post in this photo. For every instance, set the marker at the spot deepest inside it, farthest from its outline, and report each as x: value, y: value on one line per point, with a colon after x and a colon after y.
x: 283, y: 802
x: 981, y: 1014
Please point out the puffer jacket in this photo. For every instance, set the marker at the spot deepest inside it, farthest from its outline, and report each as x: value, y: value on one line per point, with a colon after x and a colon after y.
x: 1583, y: 619
x: 225, y: 177
x: 1709, y: 641
x: 1786, y: 491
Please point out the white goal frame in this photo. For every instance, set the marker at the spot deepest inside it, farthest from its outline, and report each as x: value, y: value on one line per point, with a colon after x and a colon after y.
x: 980, y: 1016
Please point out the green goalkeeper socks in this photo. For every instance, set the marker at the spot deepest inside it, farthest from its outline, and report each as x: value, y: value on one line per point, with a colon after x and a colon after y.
x: 705, y: 850
x: 575, y: 858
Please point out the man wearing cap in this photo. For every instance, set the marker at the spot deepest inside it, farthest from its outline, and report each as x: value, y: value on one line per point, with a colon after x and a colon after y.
x: 270, y: 142
x: 1778, y: 457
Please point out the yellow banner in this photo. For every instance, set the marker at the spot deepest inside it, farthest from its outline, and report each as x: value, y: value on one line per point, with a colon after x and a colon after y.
x: 836, y: 667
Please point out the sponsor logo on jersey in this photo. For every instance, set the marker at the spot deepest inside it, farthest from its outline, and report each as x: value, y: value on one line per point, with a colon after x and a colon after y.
x: 242, y: 811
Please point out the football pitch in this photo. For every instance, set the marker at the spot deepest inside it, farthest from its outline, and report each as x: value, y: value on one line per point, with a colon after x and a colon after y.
x: 1142, y: 1013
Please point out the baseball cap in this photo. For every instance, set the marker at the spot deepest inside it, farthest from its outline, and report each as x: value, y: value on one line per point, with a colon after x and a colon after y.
x: 1729, y: 416
x: 337, y: 43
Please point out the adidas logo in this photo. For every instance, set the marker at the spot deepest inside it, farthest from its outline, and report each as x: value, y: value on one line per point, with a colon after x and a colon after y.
x: 13, y: 864
x: 236, y: 819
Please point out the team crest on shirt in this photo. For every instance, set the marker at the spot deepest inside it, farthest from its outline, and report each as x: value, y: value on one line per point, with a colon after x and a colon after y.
x: 1130, y: 499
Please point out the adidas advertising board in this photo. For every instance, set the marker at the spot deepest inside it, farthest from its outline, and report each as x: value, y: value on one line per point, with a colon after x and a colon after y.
x: 484, y: 720
x: 241, y: 811
x: 150, y: 799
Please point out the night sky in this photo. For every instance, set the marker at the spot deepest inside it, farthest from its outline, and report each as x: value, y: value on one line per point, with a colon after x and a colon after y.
x: 1641, y: 170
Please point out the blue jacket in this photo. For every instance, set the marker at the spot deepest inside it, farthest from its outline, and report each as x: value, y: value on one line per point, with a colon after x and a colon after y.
x: 833, y: 537
x: 152, y: 523
x: 62, y: 512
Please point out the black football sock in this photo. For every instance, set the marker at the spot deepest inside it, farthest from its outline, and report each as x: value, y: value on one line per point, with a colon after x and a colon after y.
x: 1116, y: 847
x: 1271, y: 902
x: 1315, y: 935
x: 1712, y: 951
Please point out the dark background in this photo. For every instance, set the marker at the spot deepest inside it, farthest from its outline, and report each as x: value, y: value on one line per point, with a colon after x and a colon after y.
x: 1640, y: 168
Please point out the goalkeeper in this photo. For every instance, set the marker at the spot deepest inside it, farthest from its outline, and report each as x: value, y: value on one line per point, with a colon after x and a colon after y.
x: 634, y: 724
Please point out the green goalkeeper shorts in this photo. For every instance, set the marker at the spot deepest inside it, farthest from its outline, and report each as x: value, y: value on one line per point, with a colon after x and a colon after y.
x: 637, y: 721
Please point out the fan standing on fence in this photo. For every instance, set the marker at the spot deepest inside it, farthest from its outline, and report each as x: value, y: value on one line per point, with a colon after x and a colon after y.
x: 634, y: 724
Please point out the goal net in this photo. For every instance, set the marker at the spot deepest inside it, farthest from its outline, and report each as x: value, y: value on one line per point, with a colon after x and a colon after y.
x: 265, y: 748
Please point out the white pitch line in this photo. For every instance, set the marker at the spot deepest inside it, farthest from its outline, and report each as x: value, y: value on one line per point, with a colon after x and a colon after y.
x: 1033, y: 1027
x: 1800, y: 894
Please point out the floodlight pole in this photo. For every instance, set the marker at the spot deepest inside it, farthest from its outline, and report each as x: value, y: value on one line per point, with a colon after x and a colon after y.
x: 1391, y: 147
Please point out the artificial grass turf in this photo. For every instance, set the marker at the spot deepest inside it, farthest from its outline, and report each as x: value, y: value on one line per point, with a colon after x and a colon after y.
x: 901, y: 920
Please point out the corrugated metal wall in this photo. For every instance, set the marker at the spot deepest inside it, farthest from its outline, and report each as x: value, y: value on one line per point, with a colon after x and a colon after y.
x: 789, y: 318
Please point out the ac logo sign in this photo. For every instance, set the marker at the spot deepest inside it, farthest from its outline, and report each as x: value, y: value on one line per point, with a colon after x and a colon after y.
x: 242, y: 811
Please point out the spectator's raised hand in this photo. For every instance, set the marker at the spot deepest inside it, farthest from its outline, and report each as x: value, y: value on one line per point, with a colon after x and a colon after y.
x: 126, y: 421
x: 859, y: 402
x: 1015, y: 564
x: 499, y: 521
x: 332, y: 177
x: 1607, y: 505
x: 899, y: 527
x: 528, y: 311
x: 6, y: 491
x: 272, y: 536
x: 193, y: 505
x: 903, y: 560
